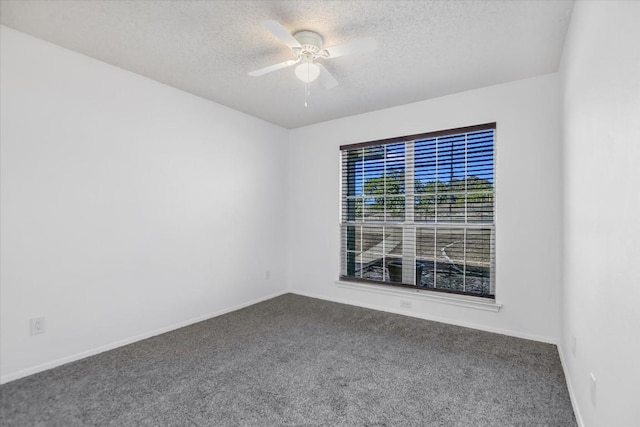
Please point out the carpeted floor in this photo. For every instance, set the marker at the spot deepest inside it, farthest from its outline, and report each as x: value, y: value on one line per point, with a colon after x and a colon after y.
x: 300, y: 361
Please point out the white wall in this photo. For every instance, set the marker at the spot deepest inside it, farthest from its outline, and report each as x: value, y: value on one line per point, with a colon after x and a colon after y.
x: 128, y: 207
x: 601, y: 301
x: 528, y: 202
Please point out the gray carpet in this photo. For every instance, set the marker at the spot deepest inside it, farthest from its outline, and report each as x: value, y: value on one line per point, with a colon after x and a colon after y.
x: 300, y: 361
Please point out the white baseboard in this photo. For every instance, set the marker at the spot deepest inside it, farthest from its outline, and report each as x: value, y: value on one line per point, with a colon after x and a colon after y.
x: 572, y: 396
x: 517, y: 334
x: 72, y: 358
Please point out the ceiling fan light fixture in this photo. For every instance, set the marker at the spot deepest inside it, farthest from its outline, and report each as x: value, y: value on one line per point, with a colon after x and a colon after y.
x: 307, y: 71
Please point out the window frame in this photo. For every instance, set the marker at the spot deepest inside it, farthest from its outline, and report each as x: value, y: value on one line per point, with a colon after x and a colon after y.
x: 411, y: 226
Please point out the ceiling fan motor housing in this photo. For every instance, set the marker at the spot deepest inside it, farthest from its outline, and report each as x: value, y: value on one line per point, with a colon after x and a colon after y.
x: 311, y: 44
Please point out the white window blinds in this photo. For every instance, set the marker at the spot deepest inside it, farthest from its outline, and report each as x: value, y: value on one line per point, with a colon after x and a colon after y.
x: 419, y: 211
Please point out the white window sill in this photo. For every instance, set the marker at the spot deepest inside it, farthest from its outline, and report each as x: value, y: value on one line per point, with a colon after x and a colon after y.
x: 422, y: 294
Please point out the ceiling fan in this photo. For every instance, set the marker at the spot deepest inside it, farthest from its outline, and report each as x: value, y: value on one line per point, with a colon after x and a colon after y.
x: 307, y: 47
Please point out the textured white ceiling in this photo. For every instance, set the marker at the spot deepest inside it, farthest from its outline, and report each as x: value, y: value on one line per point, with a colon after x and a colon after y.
x: 425, y: 48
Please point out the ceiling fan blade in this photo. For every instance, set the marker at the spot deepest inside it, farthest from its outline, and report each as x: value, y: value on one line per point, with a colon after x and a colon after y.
x: 356, y: 46
x: 275, y: 28
x: 273, y: 67
x: 326, y: 78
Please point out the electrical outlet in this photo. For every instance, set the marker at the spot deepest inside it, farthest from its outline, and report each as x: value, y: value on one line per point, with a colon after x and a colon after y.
x: 405, y: 304
x: 37, y: 326
x: 593, y: 388
x: 573, y: 345
x: 267, y: 274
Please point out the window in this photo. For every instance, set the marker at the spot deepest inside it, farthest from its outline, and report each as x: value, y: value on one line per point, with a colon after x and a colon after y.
x: 418, y: 211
